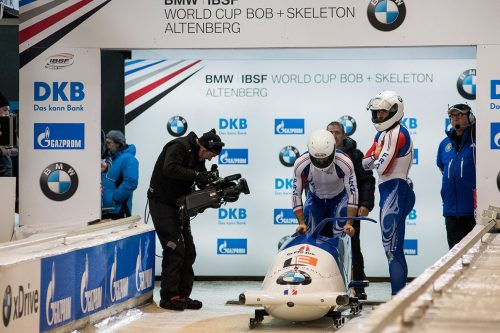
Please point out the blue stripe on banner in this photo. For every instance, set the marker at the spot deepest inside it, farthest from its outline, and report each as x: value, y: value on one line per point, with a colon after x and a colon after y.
x: 131, y: 62
x: 25, y: 2
x: 143, y: 67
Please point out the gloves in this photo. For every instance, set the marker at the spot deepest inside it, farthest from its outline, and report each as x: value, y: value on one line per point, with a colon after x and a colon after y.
x: 202, y: 178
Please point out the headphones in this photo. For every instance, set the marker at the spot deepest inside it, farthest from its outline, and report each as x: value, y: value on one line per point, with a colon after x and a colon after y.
x: 463, y: 108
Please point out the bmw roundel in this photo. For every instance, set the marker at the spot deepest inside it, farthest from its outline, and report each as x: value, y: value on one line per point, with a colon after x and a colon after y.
x: 386, y: 15
x: 288, y: 155
x: 59, y: 181
x: 498, y: 181
x: 7, y: 305
x: 295, y: 277
x: 466, y: 84
x: 177, y: 126
x: 349, y: 124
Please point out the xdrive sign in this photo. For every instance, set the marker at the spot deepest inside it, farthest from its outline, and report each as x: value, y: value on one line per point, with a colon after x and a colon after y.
x: 18, y: 303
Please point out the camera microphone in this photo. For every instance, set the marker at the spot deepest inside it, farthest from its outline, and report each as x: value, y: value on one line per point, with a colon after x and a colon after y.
x: 457, y: 126
x: 213, y: 168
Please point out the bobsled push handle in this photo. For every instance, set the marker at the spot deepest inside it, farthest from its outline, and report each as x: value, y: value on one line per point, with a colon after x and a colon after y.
x: 329, y: 220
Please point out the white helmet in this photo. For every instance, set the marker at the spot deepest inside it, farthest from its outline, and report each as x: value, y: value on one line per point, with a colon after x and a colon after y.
x: 321, y: 148
x: 389, y: 101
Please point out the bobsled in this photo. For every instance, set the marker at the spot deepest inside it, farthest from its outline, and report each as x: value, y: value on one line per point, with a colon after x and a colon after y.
x: 309, y: 278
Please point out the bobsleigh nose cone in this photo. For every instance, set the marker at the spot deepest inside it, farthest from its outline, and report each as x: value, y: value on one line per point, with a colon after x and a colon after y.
x: 242, y: 298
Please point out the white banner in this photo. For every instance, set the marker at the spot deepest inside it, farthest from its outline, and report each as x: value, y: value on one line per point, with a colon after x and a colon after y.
x: 20, y: 290
x: 488, y: 127
x: 261, y: 23
x: 264, y: 112
x: 60, y: 138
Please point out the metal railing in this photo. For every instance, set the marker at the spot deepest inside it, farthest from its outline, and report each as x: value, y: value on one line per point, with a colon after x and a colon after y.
x: 389, y: 313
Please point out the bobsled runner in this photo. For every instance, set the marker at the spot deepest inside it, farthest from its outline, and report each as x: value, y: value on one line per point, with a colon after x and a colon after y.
x: 309, y: 278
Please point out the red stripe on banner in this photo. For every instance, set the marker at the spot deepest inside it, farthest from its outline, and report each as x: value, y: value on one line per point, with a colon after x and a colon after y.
x: 38, y: 27
x: 141, y: 92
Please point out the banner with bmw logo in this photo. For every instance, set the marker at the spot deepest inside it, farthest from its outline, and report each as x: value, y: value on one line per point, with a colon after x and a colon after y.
x: 266, y: 128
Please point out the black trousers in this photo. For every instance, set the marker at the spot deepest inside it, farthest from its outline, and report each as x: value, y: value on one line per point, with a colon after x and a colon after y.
x: 358, y: 263
x: 179, y: 252
x: 457, y: 227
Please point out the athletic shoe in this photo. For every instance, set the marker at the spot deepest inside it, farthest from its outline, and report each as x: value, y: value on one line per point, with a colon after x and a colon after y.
x: 174, y: 303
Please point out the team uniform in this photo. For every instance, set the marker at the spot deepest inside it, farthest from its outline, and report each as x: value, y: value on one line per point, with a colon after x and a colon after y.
x: 396, y: 196
x: 331, y: 191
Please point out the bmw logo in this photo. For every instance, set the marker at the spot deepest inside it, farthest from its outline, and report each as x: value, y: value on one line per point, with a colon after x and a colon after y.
x: 288, y: 155
x: 386, y: 15
x: 349, y: 124
x: 59, y: 181
x: 466, y: 84
x: 7, y: 306
x: 296, y: 277
x: 177, y: 126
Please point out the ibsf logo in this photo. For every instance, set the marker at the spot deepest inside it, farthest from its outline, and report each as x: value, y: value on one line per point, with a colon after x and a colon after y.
x: 466, y: 84
x: 233, y: 156
x: 412, y: 218
x: 495, y: 136
x: 410, y: 247
x: 59, y: 91
x: 59, y: 181
x: 232, y: 215
x: 288, y: 126
x: 233, y: 125
x: 386, y: 15
x: 15, y: 306
x: 349, y: 124
x: 59, y: 136
x: 288, y: 155
x: 58, y: 61
x: 415, y: 156
x: 232, y: 246
x: 177, y: 126
x: 285, y: 216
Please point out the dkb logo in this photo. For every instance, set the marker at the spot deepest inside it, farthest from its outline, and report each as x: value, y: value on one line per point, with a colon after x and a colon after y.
x: 58, y: 91
x: 232, y: 215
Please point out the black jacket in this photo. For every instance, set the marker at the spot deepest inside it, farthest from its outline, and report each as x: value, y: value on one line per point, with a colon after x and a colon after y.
x: 365, y: 179
x: 175, y: 170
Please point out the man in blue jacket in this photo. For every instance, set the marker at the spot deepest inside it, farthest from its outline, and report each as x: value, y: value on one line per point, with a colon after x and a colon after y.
x: 456, y: 158
x: 120, y: 178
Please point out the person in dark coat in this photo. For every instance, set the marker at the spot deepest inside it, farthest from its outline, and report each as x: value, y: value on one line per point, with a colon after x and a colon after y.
x: 180, y: 166
x: 366, y: 192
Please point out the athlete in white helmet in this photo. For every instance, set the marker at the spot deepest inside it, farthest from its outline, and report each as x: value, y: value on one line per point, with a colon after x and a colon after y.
x: 391, y: 155
x: 330, y: 176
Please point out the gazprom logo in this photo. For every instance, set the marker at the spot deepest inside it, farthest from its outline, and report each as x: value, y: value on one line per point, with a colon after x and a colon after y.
x: 495, y: 136
x: 288, y: 126
x: 232, y: 246
x: 447, y: 125
x: 68, y: 136
x: 410, y: 247
x: 233, y: 156
x: 284, y: 216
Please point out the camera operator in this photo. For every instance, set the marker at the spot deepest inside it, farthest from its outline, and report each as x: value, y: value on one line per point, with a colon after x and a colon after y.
x: 179, y: 167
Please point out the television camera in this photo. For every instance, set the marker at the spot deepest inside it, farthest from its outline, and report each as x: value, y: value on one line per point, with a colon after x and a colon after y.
x: 212, y: 194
